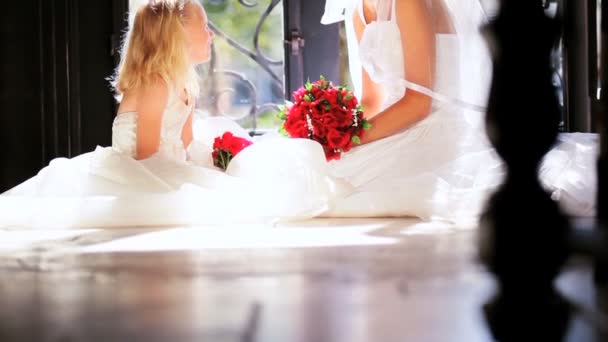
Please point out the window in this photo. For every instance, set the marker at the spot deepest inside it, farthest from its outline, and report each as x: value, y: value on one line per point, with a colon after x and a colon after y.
x: 255, y: 64
x: 244, y: 80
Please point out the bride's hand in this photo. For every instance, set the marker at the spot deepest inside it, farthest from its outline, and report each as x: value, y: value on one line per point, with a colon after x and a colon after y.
x: 404, y: 113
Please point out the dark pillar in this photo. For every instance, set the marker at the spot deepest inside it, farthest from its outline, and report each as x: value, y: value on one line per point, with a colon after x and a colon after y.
x: 311, y: 48
x: 523, y: 234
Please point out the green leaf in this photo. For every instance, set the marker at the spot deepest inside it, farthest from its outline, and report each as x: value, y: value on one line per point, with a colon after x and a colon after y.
x: 283, y: 132
x: 223, y: 159
x: 356, y: 140
x: 322, y: 78
x: 348, y: 97
x: 282, y: 114
x: 366, y: 124
x: 308, y: 86
x: 307, y: 98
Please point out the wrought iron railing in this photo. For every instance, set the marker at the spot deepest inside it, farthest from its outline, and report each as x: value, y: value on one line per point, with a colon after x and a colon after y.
x: 223, y: 86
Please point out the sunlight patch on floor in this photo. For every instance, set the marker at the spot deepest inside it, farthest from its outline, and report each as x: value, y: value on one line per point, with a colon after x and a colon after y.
x: 179, y: 239
x: 321, y: 232
x: 21, y: 239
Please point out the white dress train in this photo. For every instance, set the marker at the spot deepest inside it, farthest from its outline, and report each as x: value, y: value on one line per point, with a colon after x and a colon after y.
x: 274, y: 179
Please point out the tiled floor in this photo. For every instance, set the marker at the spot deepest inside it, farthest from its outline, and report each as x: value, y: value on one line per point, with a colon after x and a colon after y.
x: 321, y: 280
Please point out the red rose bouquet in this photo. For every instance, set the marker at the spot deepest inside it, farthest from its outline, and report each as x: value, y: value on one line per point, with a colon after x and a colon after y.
x: 226, y: 147
x: 330, y: 115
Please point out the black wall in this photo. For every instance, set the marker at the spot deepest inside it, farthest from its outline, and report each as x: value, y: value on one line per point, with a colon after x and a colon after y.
x: 55, y: 100
x: 320, y: 52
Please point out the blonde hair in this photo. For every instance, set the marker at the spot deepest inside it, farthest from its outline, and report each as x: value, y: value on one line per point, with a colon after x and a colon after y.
x: 156, y: 46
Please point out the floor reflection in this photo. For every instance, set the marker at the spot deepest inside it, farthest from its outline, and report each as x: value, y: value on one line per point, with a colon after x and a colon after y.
x: 347, y: 280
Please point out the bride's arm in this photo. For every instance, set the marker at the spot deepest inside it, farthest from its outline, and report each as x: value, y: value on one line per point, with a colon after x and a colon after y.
x: 418, y: 45
x: 151, y: 102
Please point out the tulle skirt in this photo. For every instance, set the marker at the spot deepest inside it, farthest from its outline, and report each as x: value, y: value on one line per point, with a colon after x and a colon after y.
x: 275, y: 179
x: 443, y: 170
x: 439, y: 169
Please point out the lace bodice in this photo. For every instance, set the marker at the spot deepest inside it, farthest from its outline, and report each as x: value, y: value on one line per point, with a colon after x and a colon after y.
x: 174, y: 117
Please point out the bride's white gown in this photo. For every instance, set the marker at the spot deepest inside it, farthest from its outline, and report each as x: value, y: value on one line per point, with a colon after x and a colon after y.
x: 442, y: 168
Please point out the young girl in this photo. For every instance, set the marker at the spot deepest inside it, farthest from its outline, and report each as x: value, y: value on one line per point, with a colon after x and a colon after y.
x: 156, y: 172
x: 156, y: 79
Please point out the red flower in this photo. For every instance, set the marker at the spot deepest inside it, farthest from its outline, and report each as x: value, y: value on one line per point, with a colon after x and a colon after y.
x: 319, y: 129
x: 351, y: 103
x: 330, y: 120
x: 297, y: 123
x: 337, y: 139
x: 227, y: 147
x: 317, y: 92
x: 326, y: 114
x: 331, y: 95
x: 344, y: 117
x: 331, y: 154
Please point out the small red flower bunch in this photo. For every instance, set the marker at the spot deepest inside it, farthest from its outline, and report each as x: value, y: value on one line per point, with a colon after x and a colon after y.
x: 330, y: 115
x: 226, y: 147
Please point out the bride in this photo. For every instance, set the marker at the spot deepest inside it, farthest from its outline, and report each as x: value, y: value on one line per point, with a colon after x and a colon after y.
x: 423, y: 73
x: 425, y: 156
